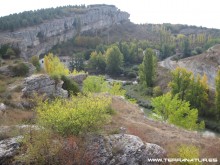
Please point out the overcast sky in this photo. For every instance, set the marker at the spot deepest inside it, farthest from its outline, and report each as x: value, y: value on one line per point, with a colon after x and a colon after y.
x: 204, y: 13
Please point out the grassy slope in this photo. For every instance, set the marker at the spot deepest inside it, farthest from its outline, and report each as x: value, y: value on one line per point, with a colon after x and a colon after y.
x: 163, y: 134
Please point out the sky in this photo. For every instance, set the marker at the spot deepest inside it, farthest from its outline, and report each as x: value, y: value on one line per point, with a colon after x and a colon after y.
x: 204, y: 13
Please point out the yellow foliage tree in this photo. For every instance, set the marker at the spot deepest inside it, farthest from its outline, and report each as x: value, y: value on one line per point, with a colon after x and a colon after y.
x: 53, y: 66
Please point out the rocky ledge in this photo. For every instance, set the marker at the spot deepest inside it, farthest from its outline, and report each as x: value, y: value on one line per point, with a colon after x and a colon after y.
x: 43, y: 84
x: 123, y: 149
x: 8, y: 149
x: 109, y: 150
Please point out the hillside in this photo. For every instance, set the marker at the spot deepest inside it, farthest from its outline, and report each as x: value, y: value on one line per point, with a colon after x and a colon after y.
x: 98, y: 96
x: 205, y: 63
x: 128, y: 119
x: 39, y: 39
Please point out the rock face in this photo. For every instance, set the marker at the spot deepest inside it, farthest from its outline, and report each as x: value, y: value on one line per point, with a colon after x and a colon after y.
x: 123, y: 149
x: 43, y: 84
x: 78, y: 78
x: 5, y: 70
x: 207, y: 63
x: 8, y: 148
x: 40, y: 39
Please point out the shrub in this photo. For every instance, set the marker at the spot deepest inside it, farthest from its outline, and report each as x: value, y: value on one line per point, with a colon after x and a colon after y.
x: 116, y: 89
x: 77, y: 115
x: 157, y: 91
x: 35, y: 62
x: 188, y: 152
x: 70, y: 85
x: 95, y: 84
x: 20, y: 69
x: 39, y: 147
x: 132, y: 74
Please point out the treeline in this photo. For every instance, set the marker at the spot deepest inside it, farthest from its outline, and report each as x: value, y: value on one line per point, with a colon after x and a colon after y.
x: 187, y: 45
x: 31, y: 18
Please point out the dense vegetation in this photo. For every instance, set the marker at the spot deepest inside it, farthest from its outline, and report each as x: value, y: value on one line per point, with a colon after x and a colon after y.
x: 31, y: 18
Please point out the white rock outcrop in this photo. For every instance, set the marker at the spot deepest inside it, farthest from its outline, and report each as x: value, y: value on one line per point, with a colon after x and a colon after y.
x: 43, y: 84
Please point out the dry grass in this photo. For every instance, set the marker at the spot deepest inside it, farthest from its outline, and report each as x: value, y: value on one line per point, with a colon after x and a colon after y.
x: 15, y: 116
x: 163, y: 134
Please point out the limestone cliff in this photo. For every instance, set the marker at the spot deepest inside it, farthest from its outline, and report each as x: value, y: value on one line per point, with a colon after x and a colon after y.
x: 39, y: 39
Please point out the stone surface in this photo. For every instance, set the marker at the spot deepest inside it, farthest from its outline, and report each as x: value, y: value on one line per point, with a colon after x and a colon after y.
x: 8, y: 148
x: 123, y: 149
x: 2, y: 107
x: 58, y: 30
x: 5, y: 70
x: 43, y: 84
x: 78, y: 78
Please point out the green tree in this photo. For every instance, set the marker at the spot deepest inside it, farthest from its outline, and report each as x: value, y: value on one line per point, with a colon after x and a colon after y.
x: 180, y: 83
x: 124, y: 48
x: 114, y: 60
x: 217, y: 95
x: 186, y: 48
x: 166, y: 51
x: 198, y: 93
x: 176, y: 112
x: 147, y: 68
x: 97, y: 61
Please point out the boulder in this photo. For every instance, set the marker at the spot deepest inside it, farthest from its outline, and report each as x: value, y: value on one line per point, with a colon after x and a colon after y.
x: 123, y: 149
x: 78, y: 78
x: 43, y: 84
x: 2, y: 107
x: 8, y: 148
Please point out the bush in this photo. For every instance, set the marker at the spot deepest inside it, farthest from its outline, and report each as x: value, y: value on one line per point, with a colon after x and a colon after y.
x: 132, y: 74
x: 199, y: 50
x: 70, y: 85
x: 157, y: 91
x: 116, y: 89
x: 39, y: 147
x: 95, y: 84
x: 35, y: 62
x: 20, y: 69
x: 188, y: 152
x: 74, y: 116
